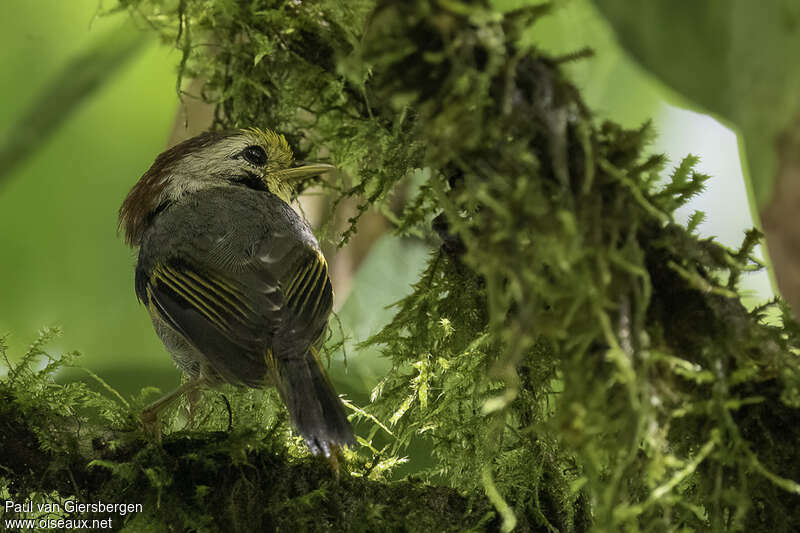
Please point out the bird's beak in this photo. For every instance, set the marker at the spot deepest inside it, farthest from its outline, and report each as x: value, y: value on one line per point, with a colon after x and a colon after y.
x: 303, y: 169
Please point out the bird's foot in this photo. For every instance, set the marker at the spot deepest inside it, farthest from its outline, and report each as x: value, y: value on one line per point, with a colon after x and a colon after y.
x: 149, y: 417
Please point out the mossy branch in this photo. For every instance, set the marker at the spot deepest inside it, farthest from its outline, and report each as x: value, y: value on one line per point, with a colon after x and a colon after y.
x: 570, y: 350
x: 66, y: 442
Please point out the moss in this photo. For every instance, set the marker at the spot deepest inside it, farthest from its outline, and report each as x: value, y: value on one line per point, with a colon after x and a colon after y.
x: 242, y: 480
x: 576, y: 359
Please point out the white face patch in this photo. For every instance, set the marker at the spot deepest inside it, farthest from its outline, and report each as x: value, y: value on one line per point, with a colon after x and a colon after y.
x: 209, y: 160
x: 220, y: 163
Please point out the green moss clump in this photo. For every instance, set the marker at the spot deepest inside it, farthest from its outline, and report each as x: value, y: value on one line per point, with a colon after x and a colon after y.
x: 68, y: 442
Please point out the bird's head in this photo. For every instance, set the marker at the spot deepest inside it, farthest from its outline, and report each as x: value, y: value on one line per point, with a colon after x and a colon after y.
x: 258, y: 159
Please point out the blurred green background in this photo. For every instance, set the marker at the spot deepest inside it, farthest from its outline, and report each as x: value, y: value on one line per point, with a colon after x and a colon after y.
x: 64, y: 264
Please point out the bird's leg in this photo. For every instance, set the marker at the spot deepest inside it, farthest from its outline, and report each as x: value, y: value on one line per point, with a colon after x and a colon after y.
x: 334, y: 460
x: 192, y: 399
x: 150, y: 413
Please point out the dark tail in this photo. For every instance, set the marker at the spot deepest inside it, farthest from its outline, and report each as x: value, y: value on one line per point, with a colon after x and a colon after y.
x: 314, y: 408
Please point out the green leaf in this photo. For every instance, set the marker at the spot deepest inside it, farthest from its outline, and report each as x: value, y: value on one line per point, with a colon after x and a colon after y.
x: 730, y: 57
x: 384, y: 277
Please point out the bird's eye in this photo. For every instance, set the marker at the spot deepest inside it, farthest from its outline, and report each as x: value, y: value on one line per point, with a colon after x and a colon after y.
x: 255, y: 155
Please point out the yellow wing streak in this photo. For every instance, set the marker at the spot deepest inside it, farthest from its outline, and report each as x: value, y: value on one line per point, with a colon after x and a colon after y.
x: 182, y: 278
x: 185, y: 292
x: 193, y: 299
x: 313, y: 274
x: 150, y: 305
x: 319, y: 292
x: 297, y: 276
x: 231, y: 288
x: 322, y: 268
x: 213, y: 297
x: 209, y: 285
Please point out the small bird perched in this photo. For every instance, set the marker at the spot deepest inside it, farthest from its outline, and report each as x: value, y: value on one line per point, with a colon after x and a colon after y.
x: 234, y: 280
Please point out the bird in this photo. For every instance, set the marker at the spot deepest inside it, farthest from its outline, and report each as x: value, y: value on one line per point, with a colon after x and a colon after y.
x: 234, y: 280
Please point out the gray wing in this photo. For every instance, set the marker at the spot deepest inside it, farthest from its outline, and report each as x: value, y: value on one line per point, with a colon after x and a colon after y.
x: 229, y: 286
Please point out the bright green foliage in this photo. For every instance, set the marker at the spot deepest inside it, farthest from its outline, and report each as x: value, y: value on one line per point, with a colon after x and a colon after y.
x: 67, y: 442
x: 570, y: 351
x: 728, y: 57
